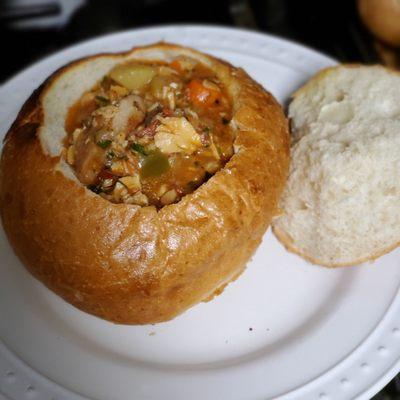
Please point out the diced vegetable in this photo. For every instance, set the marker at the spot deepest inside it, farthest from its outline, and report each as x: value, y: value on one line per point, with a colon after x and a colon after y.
x: 168, y: 197
x: 202, y: 95
x: 71, y: 155
x: 158, y: 86
x: 104, y: 143
x: 140, y: 199
x: 76, y: 133
x: 139, y: 148
x: 176, y: 65
x: 122, y: 168
x: 165, y: 88
x: 107, y: 184
x: 120, y: 192
x: 212, y: 166
x: 127, y: 116
x: 155, y: 164
x: 133, y: 76
x: 118, y: 91
x: 132, y: 183
x: 89, y: 160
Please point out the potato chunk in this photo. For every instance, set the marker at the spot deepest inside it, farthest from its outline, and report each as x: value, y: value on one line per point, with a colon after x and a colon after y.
x: 133, y: 76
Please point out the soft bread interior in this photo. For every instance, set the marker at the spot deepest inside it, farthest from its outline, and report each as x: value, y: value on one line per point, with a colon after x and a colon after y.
x: 63, y: 93
x: 342, y: 201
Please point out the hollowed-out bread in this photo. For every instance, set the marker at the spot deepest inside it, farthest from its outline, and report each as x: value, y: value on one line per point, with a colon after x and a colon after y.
x: 341, y: 205
x: 126, y: 263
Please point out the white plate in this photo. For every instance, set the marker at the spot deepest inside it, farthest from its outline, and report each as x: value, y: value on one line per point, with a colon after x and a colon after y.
x: 285, y: 329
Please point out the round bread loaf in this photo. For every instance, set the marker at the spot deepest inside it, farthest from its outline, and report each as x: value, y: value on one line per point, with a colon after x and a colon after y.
x: 382, y: 17
x: 341, y: 205
x: 122, y: 262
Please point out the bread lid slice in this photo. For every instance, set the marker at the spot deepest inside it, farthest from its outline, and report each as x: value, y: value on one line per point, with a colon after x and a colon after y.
x: 341, y: 205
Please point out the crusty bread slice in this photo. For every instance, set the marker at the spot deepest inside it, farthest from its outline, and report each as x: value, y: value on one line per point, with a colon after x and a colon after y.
x: 341, y: 205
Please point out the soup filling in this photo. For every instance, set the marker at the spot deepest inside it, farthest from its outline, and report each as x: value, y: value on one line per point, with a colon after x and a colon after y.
x: 149, y: 133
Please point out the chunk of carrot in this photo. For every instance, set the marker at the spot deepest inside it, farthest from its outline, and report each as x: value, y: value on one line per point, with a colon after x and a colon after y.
x: 201, y: 95
x: 176, y: 65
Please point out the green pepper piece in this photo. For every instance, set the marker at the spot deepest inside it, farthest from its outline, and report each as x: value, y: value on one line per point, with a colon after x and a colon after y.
x: 139, y: 149
x: 155, y: 164
x: 103, y: 143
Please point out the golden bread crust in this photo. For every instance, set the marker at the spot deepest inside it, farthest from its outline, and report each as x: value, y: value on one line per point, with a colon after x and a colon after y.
x: 137, y: 265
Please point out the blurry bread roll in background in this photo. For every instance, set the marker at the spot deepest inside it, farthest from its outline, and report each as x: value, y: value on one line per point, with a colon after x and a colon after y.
x: 382, y: 18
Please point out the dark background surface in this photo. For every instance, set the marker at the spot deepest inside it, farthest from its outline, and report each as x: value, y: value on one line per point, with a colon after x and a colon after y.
x: 332, y: 27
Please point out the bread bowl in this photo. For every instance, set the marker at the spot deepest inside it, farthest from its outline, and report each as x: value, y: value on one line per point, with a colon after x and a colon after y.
x: 341, y: 203
x: 139, y: 261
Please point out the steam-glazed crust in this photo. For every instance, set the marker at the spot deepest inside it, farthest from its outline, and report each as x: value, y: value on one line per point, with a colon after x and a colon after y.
x: 125, y: 263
